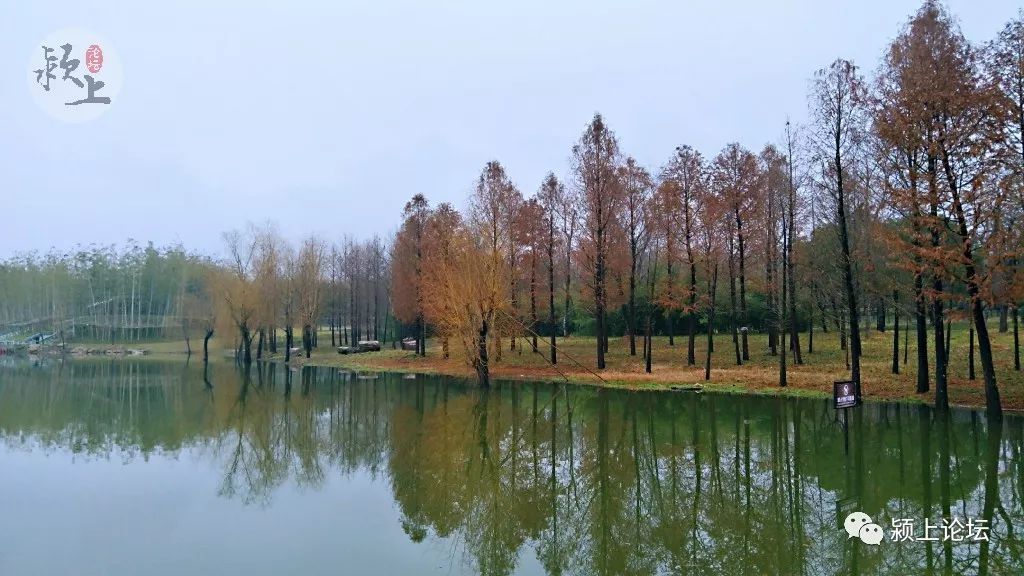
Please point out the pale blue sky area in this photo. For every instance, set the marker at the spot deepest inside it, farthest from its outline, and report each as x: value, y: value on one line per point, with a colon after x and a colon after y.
x: 327, y: 116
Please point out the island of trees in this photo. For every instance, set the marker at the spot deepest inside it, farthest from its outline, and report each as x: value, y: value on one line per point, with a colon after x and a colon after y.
x: 897, y: 207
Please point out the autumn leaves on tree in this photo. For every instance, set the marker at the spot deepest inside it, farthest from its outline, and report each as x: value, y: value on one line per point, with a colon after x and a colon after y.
x: 902, y: 196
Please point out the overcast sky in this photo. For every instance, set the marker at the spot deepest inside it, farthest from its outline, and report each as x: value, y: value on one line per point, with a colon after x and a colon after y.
x: 327, y: 116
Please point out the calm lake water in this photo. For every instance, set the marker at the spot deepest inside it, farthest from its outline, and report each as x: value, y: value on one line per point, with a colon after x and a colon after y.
x: 150, y: 467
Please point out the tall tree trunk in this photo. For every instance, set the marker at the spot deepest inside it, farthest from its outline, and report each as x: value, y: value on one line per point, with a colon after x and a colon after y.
x: 970, y: 354
x: 895, y: 332
x: 938, y: 318
x: 993, y: 403
x: 307, y: 339
x: 711, y: 323
x: 599, y: 291
x: 422, y: 337
x: 743, y: 285
x: 480, y: 363
x: 732, y: 304
x: 921, y: 320
x: 631, y: 303
x: 1016, y: 337
x: 691, y: 354
x: 847, y: 263
x: 206, y: 345
x: 810, y: 329
x: 246, y: 344
x: 783, y: 377
x: 551, y: 288
x: 533, y: 300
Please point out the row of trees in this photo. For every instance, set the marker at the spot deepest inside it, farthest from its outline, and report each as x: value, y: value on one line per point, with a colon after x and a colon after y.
x: 269, y: 284
x: 131, y: 294
x: 901, y: 196
x: 103, y: 293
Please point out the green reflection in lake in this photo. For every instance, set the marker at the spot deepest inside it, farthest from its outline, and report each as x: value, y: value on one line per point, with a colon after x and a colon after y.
x: 122, y: 467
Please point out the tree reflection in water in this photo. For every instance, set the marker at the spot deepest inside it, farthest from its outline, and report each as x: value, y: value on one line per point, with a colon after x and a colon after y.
x: 588, y: 480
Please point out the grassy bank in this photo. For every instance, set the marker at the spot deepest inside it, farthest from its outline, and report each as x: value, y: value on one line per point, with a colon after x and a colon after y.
x: 759, y: 375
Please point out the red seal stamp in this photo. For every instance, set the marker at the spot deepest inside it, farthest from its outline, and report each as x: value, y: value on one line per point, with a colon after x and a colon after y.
x: 94, y: 58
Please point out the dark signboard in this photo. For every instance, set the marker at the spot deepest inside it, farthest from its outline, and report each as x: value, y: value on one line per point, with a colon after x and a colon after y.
x: 845, y: 394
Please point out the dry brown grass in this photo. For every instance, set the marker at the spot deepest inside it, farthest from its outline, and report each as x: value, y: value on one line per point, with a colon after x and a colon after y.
x: 759, y: 375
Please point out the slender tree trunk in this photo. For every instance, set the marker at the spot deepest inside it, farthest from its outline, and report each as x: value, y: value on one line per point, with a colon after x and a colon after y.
x: 480, y: 363
x: 599, y: 291
x: 743, y: 286
x: 993, y: 403
x: 246, y: 344
x: 790, y: 234
x: 691, y: 355
x: 551, y: 288
x: 1016, y: 337
x: 921, y: 319
x: 711, y: 323
x: 533, y: 300
x: 631, y: 304
x: 732, y: 304
x: 895, y: 332
x: 949, y: 337
x: 1004, y: 325
x: 647, y: 345
x: 847, y: 263
x: 783, y: 378
x: 810, y: 329
x: 206, y: 345
x: 422, y: 337
x: 970, y: 357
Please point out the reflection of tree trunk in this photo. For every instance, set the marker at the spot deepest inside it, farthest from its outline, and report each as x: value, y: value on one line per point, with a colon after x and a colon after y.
x: 746, y: 486
x: 697, y: 473
x: 924, y: 418
x: 992, y: 442
x: 603, y: 490
x: 944, y: 488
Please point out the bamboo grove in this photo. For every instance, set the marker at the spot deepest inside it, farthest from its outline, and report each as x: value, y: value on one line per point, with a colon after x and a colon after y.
x: 900, y: 199
x: 264, y: 287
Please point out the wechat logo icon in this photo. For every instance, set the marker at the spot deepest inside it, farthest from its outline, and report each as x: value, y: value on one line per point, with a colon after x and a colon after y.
x: 859, y: 525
